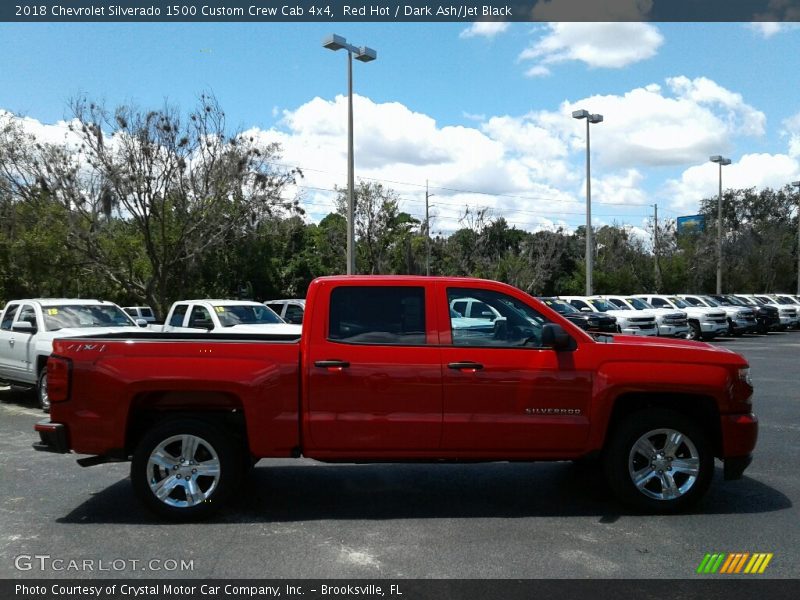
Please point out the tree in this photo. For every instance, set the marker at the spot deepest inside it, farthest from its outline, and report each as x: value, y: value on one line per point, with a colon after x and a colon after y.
x: 177, y: 189
x: 382, y: 230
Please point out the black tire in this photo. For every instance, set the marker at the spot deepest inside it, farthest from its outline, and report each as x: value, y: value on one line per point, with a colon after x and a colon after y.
x: 41, y: 390
x: 695, y: 333
x: 623, y: 459
x: 208, y: 492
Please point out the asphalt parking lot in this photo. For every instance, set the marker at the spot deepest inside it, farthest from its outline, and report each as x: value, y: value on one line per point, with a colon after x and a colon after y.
x: 301, y: 519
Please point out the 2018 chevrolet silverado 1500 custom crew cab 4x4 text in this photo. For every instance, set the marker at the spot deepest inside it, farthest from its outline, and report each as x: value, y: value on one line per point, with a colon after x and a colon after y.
x: 381, y: 374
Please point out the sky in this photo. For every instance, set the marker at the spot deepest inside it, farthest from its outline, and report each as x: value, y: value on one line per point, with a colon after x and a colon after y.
x: 481, y: 111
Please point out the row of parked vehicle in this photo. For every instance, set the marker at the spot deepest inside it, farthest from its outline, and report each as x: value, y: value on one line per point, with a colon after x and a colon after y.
x: 692, y: 316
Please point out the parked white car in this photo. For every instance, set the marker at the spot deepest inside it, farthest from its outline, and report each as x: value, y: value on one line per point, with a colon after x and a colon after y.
x: 787, y: 313
x: 291, y: 310
x: 740, y: 320
x: 225, y: 316
x: 670, y: 322
x: 141, y: 312
x: 704, y: 323
x: 28, y: 327
x: 629, y: 322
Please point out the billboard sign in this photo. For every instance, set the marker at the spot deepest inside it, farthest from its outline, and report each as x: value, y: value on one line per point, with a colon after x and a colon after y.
x: 691, y: 224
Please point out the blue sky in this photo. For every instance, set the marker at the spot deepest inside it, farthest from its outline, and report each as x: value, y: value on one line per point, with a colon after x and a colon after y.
x: 481, y: 111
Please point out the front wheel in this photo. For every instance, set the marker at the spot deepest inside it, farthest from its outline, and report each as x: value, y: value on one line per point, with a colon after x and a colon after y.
x: 41, y: 391
x: 186, y: 469
x: 659, y: 461
x: 695, y: 333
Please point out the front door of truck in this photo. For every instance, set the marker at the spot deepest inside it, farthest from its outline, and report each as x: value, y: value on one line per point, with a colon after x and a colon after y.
x: 8, y: 339
x: 503, y: 392
x: 374, y: 382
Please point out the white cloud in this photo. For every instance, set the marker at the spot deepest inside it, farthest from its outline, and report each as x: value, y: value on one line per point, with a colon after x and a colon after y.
x: 791, y: 129
x: 538, y: 71
x: 487, y: 29
x: 530, y: 168
x: 751, y: 170
x: 598, y: 45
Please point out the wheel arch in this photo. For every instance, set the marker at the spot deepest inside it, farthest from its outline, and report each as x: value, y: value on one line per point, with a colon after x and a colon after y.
x: 219, y: 409
x: 701, y: 408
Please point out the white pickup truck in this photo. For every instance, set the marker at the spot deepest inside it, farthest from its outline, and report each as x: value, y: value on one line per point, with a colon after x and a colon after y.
x: 28, y: 327
x: 630, y: 322
x: 224, y: 316
x: 704, y: 323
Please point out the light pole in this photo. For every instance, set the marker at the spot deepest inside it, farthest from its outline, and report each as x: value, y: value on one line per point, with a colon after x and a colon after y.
x: 427, y: 232
x: 722, y: 162
x: 584, y: 114
x: 364, y: 54
x: 797, y: 184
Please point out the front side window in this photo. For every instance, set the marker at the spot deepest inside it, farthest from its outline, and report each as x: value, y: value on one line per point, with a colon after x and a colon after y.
x: 618, y: 303
x: 514, y: 324
x: 393, y: 315
x: 200, y: 317
x: 679, y: 302
x: 693, y: 301
x: 601, y: 305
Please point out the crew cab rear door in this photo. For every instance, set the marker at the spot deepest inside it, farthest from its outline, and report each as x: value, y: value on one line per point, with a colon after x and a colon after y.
x: 374, y: 381
x: 503, y: 392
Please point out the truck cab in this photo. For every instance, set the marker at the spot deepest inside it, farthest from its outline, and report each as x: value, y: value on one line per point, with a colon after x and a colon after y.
x: 218, y: 316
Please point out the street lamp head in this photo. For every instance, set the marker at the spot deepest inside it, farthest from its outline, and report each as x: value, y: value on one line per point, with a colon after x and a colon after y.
x: 725, y: 162
x: 334, y: 42
x: 796, y: 183
x: 580, y: 114
x: 720, y: 159
x: 595, y: 118
x: 365, y: 54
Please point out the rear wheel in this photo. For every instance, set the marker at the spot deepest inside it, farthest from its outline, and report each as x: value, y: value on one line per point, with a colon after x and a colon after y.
x: 659, y: 461
x: 186, y: 469
x: 41, y: 391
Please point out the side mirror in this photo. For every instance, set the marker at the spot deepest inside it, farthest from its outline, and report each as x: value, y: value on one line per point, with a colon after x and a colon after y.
x: 24, y: 327
x: 586, y: 309
x: 295, y: 320
x: 554, y: 336
x: 141, y: 322
x: 202, y: 324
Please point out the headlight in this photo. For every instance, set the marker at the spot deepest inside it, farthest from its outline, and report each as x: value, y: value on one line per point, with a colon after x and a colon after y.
x: 744, y: 375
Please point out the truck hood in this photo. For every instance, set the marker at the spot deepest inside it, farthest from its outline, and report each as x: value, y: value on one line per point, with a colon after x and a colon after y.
x: 649, y: 349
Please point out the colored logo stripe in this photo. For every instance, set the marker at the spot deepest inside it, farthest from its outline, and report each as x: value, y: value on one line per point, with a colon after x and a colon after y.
x: 734, y: 562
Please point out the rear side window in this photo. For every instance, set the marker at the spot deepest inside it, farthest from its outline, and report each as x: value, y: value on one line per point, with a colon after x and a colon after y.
x: 176, y: 320
x: 146, y: 312
x: 8, y: 318
x: 392, y: 315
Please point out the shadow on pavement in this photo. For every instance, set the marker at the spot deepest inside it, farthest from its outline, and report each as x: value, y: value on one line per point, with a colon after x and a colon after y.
x: 415, y: 491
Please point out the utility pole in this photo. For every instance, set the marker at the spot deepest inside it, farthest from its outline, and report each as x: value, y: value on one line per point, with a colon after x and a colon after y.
x: 797, y: 184
x: 427, y: 233
x: 655, y: 249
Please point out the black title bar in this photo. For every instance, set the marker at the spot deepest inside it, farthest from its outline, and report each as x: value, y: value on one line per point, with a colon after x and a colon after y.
x: 333, y: 11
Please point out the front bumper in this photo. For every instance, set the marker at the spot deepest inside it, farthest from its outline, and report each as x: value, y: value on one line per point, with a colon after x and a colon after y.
x: 673, y: 330
x: 739, y: 436
x: 53, y: 437
x: 639, y: 331
x: 713, y: 327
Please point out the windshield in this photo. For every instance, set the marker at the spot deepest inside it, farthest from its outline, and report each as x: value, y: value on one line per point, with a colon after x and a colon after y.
x: 246, y: 314
x: 710, y: 301
x: 85, y: 315
x: 561, y: 308
x: 638, y: 303
x: 678, y: 302
x: 601, y: 305
x: 694, y: 301
x: 783, y: 300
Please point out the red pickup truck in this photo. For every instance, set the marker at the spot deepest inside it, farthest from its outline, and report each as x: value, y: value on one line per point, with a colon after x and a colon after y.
x: 388, y: 370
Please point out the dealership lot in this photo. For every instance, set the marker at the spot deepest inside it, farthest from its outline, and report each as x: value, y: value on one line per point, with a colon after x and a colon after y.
x: 298, y: 518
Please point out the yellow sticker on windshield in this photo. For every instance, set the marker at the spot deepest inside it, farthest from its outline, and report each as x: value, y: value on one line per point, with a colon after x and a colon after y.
x: 219, y: 309
x: 52, y: 311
